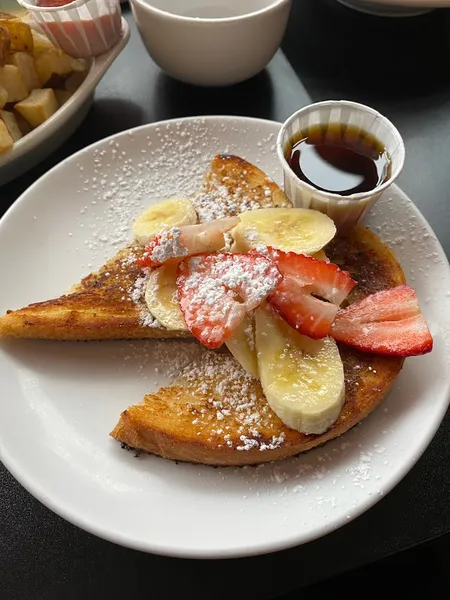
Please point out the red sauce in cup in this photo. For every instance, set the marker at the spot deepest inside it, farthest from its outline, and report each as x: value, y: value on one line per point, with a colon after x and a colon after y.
x: 82, y: 38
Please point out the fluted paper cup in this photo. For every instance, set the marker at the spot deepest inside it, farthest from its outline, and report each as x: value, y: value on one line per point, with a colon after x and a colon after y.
x: 346, y: 211
x: 83, y: 28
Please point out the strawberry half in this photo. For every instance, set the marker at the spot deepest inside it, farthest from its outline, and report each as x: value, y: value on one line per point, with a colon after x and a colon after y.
x: 305, y: 313
x: 302, y: 277
x: 327, y: 279
x: 387, y: 322
x: 216, y: 290
x: 165, y: 246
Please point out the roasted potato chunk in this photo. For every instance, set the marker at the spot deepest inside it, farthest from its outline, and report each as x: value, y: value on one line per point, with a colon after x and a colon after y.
x: 12, y: 80
x: 36, y: 78
x: 25, y: 63
x: 6, y: 140
x: 20, y: 34
x: 11, y: 123
x: 38, y: 107
x: 40, y: 43
x: 52, y: 62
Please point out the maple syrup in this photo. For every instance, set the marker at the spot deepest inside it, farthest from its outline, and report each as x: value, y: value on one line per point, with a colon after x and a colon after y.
x: 338, y: 158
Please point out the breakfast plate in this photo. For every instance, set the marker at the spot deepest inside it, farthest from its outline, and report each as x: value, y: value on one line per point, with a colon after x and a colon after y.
x: 35, y: 146
x: 60, y: 400
x: 395, y: 8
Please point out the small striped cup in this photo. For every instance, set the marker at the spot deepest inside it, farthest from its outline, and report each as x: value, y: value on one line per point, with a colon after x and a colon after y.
x: 346, y: 211
x: 82, y: 28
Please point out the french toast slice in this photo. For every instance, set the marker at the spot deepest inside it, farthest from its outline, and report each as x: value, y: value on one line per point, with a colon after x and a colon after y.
x: 215, y: 413
x: 109, y: 304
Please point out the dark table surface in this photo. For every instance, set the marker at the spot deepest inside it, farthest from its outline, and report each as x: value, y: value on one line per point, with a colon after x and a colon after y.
x: 399, y: 66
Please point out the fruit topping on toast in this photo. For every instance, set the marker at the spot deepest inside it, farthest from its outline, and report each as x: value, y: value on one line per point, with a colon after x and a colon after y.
x: 304, y: 276
x: 278, y: 309
x: 217, y: 290
x: 187, y: 241
x: 162, y: 216
x: 304, y: 312
x: 299, y: 230
x: 325, y: 278
x: 388, y: 322
x: 275, y: 300
x: 303, y: 379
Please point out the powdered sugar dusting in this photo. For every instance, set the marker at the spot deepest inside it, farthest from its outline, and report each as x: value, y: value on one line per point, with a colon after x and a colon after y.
x: 132, y: 184
x: 167, y: 245
x: 138, y: 188
x: 230, y: 395
x: 285, y: 494
x: 220, y: 203
x: 158, y: 361
x: 114, y: 200
x: 218, y: 290
x: 223, y: 197
x: 137, y: 294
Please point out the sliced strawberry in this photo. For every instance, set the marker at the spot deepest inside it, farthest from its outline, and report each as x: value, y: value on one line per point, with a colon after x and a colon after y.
x: 387, y: 322
x: 165, y: 246
x: 305, y: 313
x: 216, y: 290
x: 327, y: 280
x: 302, y: 277
x: 187, y: 241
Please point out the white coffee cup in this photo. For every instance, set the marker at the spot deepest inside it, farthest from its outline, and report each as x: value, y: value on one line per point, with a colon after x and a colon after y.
x: 211, y: 42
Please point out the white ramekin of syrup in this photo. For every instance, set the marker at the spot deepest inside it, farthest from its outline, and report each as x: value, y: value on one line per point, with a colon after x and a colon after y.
x: 338, y: 157
x: 82, y: 28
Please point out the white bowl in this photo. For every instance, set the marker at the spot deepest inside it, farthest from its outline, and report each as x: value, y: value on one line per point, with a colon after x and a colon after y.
x: 34, y: 147
x: 221, y: 42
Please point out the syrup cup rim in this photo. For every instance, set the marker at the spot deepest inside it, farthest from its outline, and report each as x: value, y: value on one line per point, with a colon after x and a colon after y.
x: 400, y: 159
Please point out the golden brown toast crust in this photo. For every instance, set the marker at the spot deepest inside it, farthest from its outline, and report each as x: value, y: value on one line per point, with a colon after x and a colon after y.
x: 187, y: 421
x: 101, y: 307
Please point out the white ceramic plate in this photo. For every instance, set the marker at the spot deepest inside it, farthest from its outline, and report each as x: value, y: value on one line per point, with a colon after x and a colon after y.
x: 60, y: 400
x: 34, y: 147
x: 395, y: 8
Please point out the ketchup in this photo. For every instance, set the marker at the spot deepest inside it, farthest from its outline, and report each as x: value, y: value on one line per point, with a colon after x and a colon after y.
x: 83, y: 37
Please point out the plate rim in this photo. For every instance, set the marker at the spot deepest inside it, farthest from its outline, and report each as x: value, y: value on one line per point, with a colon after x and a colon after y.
x: 169, y: 550
x: 413, y: 4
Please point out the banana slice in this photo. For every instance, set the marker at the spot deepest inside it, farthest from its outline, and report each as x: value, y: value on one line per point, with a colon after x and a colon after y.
x: 290, y: 229
x: 162, y: 216
x: 161, y: 297
x: 321, y: 256
x: 242, y: 345
x: 303, y: 379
